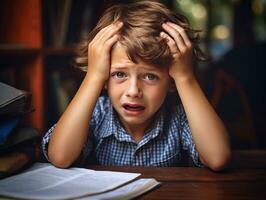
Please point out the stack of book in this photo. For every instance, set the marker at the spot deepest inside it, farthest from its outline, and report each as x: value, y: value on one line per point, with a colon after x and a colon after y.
x: 17, y: 140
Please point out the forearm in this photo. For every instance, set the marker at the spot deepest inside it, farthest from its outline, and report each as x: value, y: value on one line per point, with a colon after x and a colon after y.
x: 208, y: 131
x: 71, y: 131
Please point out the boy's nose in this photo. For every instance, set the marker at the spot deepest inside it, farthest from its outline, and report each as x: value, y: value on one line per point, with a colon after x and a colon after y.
x: 134, y: 89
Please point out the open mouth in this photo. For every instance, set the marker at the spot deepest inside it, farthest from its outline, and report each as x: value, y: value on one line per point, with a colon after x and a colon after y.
x: 133, y: 107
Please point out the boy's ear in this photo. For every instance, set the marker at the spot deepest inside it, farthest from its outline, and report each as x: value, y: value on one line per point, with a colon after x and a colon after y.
x: 172, y: 87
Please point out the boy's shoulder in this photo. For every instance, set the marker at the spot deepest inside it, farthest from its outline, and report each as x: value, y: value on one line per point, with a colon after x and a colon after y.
x: 103, y: 99
x: 103, y: 103
x: 101, y: 110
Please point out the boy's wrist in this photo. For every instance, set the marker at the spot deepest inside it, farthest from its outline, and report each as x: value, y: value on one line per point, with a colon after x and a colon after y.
x: 187, y: 79
x: 98, y: 79
x: 95, y: 81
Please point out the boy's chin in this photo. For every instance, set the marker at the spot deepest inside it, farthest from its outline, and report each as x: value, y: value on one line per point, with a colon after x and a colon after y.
x: 137, y: 121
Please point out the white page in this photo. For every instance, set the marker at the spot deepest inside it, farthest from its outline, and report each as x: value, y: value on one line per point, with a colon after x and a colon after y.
x: 44, y: 181
x: 128, y: 191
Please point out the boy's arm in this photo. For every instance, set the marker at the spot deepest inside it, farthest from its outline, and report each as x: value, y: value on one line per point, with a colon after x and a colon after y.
x: 208, y: 131
x: 71, y: 131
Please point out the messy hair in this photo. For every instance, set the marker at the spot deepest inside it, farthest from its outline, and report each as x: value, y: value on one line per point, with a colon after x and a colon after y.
x: 140, y: 33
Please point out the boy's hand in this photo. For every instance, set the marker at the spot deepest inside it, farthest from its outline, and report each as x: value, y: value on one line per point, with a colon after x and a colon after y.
x: 182, y: 51
x: 99, y: 51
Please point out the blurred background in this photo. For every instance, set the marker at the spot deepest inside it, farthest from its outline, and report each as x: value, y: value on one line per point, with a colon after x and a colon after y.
x: 38, y: 38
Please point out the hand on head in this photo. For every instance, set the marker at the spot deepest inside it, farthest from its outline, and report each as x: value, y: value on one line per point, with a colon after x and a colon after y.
x: 99, y: 51
x: 181, y: 49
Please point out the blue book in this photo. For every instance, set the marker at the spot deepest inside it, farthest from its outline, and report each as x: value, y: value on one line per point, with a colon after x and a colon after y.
x: 6, y: 128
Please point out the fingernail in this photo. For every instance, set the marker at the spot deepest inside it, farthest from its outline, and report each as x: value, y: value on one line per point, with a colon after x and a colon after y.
x: 162, y: 34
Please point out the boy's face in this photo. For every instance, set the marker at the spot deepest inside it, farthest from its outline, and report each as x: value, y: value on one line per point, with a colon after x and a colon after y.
x: 136, y: 91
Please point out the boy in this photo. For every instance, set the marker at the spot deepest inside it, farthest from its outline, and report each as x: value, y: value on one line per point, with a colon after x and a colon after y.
x: 137, y: 53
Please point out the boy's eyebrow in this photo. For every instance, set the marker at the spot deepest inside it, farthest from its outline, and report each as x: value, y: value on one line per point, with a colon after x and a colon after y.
x: 125, y: 66
x: 151, y: 69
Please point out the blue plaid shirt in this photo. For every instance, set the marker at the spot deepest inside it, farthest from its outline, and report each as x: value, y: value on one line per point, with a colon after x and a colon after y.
x: 162, y: 145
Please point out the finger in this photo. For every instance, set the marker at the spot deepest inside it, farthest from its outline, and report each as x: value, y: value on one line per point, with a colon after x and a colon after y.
x: 108, y: 32
x: 182, y: 32
x: 111, y: 41
x: 171, y: 43
x: 99, y: 34
x: 176, y: 36
x: 112, y: 29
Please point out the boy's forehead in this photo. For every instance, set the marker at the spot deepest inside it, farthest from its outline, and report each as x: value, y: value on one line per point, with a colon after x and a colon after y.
x: 120, y: 59
x: 118, y: 53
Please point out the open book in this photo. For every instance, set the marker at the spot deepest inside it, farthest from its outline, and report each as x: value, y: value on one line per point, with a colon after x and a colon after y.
x: 44, y: 181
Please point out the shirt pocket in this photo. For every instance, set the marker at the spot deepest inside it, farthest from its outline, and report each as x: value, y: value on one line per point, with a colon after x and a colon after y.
x: 167, y: 160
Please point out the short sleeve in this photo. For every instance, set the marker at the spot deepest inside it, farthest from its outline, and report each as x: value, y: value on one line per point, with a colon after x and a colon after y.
x: 97, y: 116
x: 186, y: 137
x: 83, y: 155
x: 45, y: 142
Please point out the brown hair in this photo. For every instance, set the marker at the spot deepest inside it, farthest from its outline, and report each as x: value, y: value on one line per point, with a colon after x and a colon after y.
x: 140, y: 33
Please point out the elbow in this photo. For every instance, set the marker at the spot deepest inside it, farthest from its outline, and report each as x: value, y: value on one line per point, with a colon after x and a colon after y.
x: 59, y: 160
x: 220, y: 162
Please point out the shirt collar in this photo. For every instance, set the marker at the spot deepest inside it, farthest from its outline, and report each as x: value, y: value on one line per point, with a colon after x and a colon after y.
x: 155, y: 129
x: 114, y: 127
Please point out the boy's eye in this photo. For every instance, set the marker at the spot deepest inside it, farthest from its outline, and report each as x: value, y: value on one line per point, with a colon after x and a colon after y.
x: 151, y: 77
x: 118, y: 74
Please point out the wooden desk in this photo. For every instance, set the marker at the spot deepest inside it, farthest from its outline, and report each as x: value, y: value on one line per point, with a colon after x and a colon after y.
x: 244, y: 179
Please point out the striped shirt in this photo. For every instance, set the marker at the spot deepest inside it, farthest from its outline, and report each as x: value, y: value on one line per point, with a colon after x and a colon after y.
x: 163, y: 144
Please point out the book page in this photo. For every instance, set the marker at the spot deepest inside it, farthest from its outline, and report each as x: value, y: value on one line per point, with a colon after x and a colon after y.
x: 128, y: 191
x: 44, y: 181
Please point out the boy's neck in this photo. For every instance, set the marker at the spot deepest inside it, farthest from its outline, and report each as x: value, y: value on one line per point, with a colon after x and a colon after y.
x: 137, y: 131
